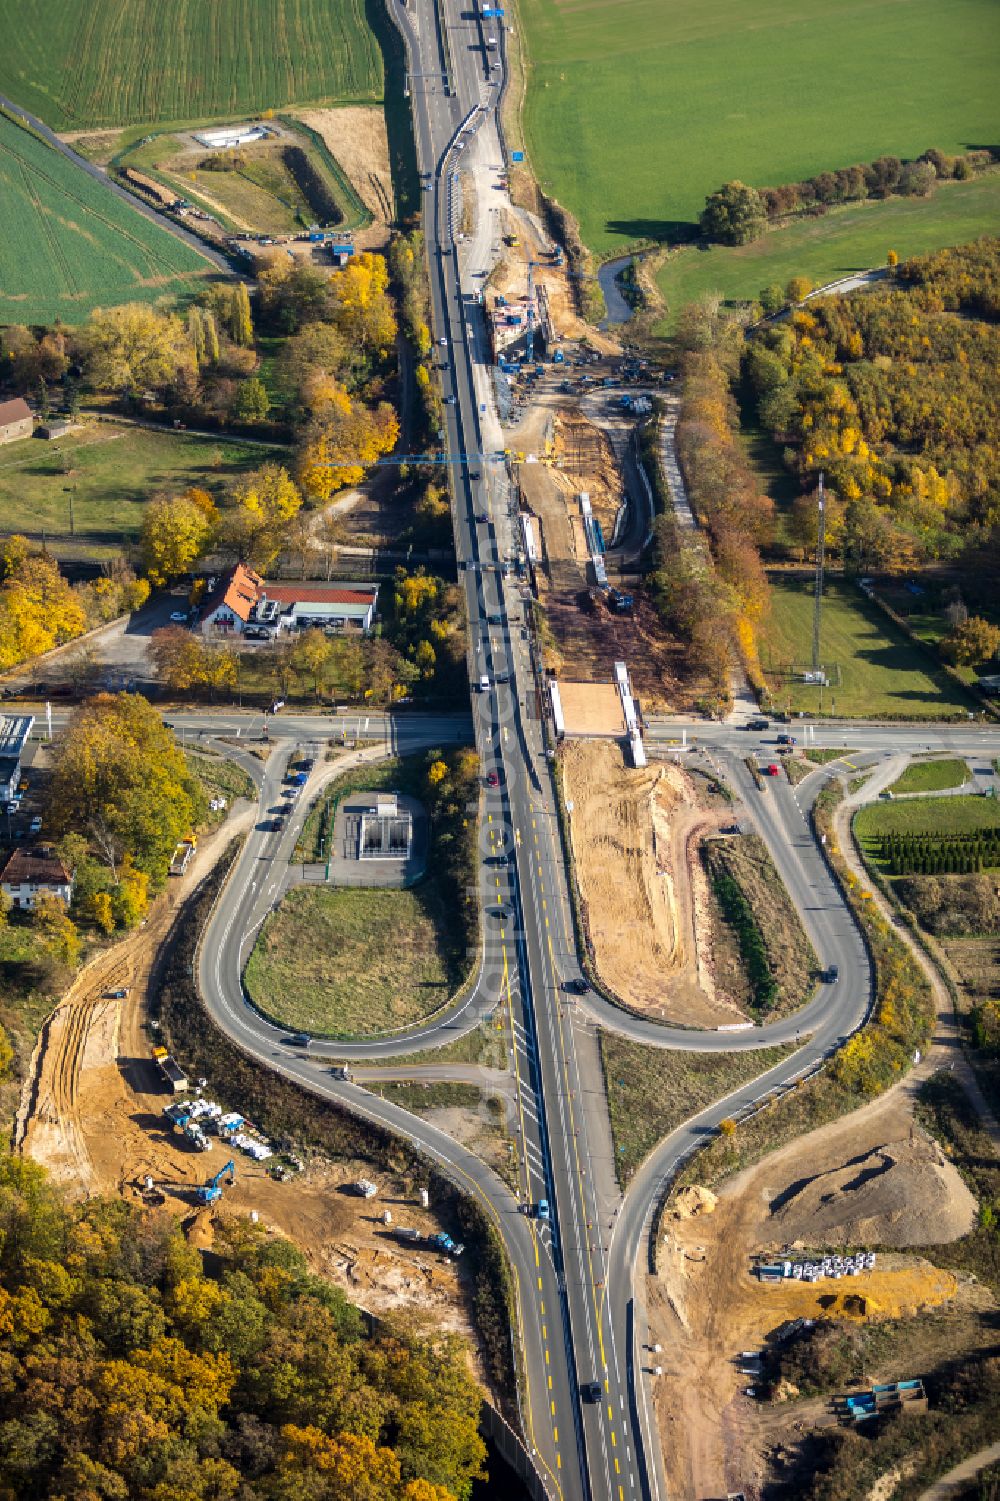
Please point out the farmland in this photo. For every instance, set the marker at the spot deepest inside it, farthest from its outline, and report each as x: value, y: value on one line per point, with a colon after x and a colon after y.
x: 637, y: 109
x: 874, y: 669
x: 69, y: 244
x: 854, y: 237
x: 110, y: 471
x: 78, y: 65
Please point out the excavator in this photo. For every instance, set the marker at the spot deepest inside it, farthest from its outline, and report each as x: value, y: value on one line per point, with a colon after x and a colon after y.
x: 212, y: 1190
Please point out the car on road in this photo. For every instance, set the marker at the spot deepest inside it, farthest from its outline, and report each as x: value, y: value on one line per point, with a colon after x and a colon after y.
x: 36, y: 825
x: 542, y: 1209
x: 787, y: 740
x: 482, y: 518
x: 492, y: 780
x: 298, y: 1040
x: 772, y: 770
x: 443, y: 341
x: 576, y: 987
x: 475, y: 474
x: 758, y: 724
x: 590, y: 1391
x: 484, y: 683
x: 178, y: 617
x: 451, y: 401
x: 494, y: 619
x: 831, y: 974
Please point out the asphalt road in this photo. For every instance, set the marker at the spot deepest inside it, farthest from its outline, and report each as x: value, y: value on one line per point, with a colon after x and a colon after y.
x: 577, y: 1270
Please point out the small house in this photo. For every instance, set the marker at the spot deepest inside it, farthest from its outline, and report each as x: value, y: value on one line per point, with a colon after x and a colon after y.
x: 55, y: 427
x: 16, y: 420
x: 32, y: 873
x: 227, y: 610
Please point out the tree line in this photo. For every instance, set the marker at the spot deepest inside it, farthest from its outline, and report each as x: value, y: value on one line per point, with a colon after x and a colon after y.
x: 737, y: 214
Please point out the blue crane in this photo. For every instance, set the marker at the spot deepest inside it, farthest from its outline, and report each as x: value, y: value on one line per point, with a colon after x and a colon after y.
x: 212, y: 1190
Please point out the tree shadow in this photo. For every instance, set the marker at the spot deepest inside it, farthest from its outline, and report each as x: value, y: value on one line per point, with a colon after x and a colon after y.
x: 663, y: 231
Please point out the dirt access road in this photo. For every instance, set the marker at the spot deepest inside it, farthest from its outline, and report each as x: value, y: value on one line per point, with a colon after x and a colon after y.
x: 92, y: 1113
x: 644, y: 893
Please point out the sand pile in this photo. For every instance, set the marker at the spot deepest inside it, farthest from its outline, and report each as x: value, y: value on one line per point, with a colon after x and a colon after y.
x: 903, y: 1194
x: 693, y: 1201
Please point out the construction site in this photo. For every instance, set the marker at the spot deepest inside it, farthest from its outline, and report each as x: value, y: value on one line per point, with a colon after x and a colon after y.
x: 644, y: 895
x: 107, y: 1111
x: 872, y: 1178
x: 571, y: 402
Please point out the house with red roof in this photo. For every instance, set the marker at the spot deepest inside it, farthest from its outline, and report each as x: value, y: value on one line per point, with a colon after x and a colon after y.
x: 243, y: 604
x: 35, y: 872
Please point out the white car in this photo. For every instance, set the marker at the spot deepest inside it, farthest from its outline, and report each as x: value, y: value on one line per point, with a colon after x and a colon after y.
x: 178, y: 617
x: 36, y: 825
x: 443, y: 341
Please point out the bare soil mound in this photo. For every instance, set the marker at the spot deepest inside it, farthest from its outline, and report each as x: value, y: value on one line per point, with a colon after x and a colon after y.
x: 642, y: 888
x: 905, y: 1193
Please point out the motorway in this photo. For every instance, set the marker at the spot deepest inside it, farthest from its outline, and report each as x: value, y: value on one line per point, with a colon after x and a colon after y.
x: 579, y: 1273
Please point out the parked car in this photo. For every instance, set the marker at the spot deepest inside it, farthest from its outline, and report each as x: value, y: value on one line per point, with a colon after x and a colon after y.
x: 178, y: 617
x: 278, y: 703
x: 36, y: 825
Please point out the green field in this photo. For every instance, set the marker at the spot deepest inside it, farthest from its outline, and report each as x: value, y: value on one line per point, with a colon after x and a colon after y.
x: 76, y: 64
x: 873, y: 668
x: 853, y: 238
x: 932, y: 776
x: 68, y: 244
x: 638, y: 108
x: 109, y: 472
x: 348, y: 962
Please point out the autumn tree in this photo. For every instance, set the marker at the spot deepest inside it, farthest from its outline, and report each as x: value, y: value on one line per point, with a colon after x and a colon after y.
x: 733, y: 215
x: 362, y: 308
x: 38, y: 608
x: 311, y: 656
x: 119, y: 780
x: 176, y: 532
x: 184, y: 661
x: 971, y: 643
x: 259, y: 507
x: 134, y: 348
x: 342, y: 441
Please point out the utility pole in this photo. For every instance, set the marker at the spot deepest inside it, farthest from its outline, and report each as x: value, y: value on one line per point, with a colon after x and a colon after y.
x: 820, y: 555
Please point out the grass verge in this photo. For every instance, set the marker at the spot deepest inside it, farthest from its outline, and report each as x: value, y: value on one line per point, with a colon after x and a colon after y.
x: 354, y: 962
x: 218, y: 777
x: 653, y: 1090
x: 436, y: 1094
x: 486, y: 1044
x: 823, y: 756
x: 932, y: 776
